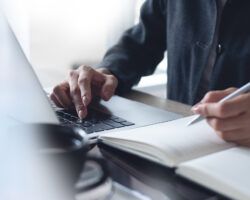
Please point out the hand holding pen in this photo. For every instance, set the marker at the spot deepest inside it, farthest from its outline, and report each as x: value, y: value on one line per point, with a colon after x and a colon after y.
x: 228, y: 113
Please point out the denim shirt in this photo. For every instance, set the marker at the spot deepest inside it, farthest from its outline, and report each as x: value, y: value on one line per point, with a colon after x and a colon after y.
x: 186, y: 30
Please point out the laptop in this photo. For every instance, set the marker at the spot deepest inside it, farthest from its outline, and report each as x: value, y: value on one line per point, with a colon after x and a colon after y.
x: 24, y: 100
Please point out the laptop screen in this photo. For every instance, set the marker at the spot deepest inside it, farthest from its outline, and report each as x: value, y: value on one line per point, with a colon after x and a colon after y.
x: 22, y: 96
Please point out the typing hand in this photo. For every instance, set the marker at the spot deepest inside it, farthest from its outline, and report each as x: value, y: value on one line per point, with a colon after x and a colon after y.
x: 82, y: 84
x: 230, y: 119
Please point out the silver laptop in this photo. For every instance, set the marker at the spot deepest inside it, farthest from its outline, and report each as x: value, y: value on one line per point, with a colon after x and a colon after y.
x: 24, y: 100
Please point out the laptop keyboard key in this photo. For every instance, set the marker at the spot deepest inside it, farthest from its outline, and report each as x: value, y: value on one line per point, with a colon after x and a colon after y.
x: 113, y: 124
x: 113, y: 117
x: 126, y: 123
x: 103, y: 126
x: 98, y: 129
x: 88, y: 130
x: 86, y: 124
x: 119, y: 120
x: 96, y: 121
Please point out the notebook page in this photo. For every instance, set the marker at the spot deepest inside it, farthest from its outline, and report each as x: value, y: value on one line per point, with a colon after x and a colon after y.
x: 226, y: 172
x: 173, y: 141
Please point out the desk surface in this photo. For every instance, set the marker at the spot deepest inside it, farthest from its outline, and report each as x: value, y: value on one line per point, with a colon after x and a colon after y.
x: 158, y: 102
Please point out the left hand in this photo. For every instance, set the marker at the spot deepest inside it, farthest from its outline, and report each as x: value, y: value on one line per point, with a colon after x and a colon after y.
x: 230, y: 119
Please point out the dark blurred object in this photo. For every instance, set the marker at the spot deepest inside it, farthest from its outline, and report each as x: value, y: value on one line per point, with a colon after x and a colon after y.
x: 158, y: 177
x: 61, y: 148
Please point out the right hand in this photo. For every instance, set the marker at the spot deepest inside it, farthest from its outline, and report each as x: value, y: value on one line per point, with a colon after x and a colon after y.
x: 82, y: 85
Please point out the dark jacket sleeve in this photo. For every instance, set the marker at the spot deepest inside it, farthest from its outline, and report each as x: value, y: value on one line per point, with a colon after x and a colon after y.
x: 140, y: 48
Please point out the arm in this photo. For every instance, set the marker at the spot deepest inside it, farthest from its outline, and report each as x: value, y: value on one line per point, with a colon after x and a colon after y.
x: 140, y: 48
x: 137, y: 53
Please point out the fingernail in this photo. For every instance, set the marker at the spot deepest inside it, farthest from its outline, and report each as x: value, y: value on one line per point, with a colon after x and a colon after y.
x: 196, y: 109
x: 85, y: 100
x: 197, y: 104
x: 80, y: 114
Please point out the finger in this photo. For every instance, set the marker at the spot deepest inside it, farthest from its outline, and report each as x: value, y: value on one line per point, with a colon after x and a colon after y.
x: 89, y: 77
x: 229, y: 124
x: 109, y: 87
x: 75, y: 94
x: 61, y: 93
x: 236, y: 136
x: 230, y: 108
x: 215, y: 96
x: 244, y: 142
x: 56, y: 102
x: 212, y: 97
x: 84, y: 82
x: 99, y: 77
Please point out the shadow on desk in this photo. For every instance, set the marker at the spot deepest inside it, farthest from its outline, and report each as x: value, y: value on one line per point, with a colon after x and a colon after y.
x: 158, y: 177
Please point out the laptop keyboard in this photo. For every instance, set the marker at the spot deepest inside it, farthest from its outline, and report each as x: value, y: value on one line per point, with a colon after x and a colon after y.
x: 96, y: 121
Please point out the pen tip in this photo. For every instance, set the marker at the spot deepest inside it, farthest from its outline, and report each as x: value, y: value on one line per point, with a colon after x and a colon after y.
x: 190, y: 123
x: 195, y: 120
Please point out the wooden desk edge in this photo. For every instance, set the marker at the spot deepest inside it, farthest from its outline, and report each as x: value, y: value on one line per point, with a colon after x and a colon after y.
x: 158, y: 102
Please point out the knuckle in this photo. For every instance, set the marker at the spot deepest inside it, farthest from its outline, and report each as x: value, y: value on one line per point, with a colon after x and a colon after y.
x: 209, y: 95
x: 72, y: 73
x: 83, y: 80
x: 112, y: 77
x: 85, y: 68
x: 56, y: 89
x: 223, y: 109
x: 103, y: 71
x: 113, y: 80
x: 205, y: 109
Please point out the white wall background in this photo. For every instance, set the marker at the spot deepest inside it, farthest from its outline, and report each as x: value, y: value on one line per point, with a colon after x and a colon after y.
x: 68, y: 32
x: 57, y: 34
x: 17, y: 14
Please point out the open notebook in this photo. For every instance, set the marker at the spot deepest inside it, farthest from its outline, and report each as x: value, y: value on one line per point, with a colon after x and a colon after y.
x: 196, y: 152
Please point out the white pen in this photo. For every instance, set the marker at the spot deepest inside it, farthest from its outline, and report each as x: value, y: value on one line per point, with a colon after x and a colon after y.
x: 244, y: 89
